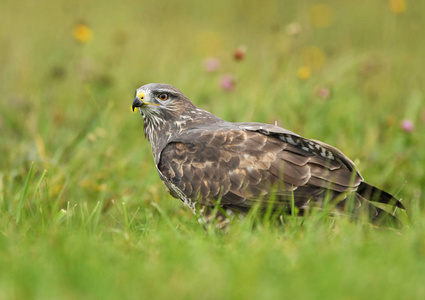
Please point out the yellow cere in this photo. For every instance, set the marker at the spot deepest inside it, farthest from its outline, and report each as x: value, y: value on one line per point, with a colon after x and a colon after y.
x: 141, y: 95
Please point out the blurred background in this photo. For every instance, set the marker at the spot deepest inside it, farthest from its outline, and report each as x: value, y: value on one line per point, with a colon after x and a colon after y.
x: 347, y: 72
x: 83, y: 212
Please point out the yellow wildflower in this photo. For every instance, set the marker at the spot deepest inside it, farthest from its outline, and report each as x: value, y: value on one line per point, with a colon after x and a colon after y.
x: 397, y: 6
x: 82, y: 33
x: 304, y: 73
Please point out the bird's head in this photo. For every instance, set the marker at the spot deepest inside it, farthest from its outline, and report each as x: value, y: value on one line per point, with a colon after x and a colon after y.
x: 160, y: 102
x: 163, y: 108
x: 166, y: 111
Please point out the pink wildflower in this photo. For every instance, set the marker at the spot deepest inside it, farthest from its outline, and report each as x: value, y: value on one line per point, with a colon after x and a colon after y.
x: 212, y: 64
x: 227, y: 82
x: 323, y: 93
x: 407, y: 125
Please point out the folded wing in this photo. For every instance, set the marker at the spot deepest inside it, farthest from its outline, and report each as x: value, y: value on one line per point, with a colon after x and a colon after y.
x: 245, y: 165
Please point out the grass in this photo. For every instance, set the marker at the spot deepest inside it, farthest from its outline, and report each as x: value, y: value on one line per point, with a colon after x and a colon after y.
x: 83, y: 213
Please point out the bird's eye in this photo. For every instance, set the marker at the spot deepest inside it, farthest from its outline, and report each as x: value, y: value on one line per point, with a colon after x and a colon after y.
x: 163, y: 97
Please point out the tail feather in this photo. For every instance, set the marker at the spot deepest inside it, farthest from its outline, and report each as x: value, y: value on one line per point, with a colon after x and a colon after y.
x: 374, y: 194
x: 376, y: 215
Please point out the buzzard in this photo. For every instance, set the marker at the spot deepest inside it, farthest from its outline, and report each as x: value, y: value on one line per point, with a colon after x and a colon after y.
x: 205, y: 160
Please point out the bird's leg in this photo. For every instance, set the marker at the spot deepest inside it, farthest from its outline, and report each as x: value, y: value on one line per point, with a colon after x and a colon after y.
x: 216, y: 216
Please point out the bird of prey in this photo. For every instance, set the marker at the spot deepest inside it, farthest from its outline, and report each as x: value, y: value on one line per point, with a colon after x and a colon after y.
x: 206, y: 161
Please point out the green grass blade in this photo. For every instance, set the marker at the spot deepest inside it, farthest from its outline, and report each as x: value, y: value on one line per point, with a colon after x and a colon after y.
x: 19, y: 210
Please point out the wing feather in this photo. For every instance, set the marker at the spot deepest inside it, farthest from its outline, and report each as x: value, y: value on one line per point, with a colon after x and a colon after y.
x: 243, y: 167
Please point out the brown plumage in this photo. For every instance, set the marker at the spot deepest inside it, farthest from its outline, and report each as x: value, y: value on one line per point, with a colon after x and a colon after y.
x: 203, y: 159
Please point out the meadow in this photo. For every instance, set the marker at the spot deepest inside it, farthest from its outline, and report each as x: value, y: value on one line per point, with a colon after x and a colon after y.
x: 83, y: 213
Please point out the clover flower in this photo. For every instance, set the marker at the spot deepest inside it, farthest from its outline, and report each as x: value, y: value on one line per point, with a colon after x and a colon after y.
x: 227, y: 82
x: 407, y: 125
x: 212, y: 64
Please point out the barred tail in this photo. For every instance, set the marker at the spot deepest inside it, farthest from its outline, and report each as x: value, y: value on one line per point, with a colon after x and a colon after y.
x: 374, y: 194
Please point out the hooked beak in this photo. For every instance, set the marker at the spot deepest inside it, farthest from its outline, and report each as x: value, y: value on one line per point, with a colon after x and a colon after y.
x: 137, y: 103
